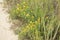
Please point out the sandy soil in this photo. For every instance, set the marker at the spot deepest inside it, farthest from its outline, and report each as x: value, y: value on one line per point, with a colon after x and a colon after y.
x: 5, y: 32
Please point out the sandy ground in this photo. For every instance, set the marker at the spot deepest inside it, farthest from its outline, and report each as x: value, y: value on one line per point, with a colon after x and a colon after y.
x: 5, y: 32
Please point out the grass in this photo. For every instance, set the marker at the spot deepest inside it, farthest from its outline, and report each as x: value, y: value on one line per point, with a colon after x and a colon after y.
x: 41, y: 23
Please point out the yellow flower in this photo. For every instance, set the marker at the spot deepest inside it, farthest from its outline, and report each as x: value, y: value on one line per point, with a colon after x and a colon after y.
x: 27, y: 15
x: 18, y: 8
x: 31, y: 22
x: 32, y: 16
x: 18, y: 4
x: 38, y: 20
x: 46, y: 17
x: 27, y: 26
x: 31, y: 11
x: 24, y: 6
x: 24, y: 2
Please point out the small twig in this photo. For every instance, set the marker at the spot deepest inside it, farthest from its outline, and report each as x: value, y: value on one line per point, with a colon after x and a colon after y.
x: 56, y: 32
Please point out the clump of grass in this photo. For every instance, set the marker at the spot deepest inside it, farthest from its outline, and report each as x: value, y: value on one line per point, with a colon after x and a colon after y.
x: 42, y: 23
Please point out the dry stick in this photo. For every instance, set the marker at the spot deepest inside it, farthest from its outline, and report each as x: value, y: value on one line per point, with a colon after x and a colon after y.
x: 56, y: 32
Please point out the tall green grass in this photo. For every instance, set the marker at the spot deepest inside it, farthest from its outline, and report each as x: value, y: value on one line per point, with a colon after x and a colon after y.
x: 41, y: 20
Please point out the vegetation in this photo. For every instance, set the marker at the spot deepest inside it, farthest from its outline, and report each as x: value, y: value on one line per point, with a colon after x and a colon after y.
x: 41, y: 19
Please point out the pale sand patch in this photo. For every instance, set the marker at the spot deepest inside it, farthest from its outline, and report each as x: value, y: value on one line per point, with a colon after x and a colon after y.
x: 5, y: 32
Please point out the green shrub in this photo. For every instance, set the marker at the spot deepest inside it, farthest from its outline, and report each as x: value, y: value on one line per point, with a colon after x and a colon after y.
x: 42, y: 23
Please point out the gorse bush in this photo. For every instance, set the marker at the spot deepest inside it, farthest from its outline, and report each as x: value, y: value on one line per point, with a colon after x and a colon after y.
x: 42, y: 22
